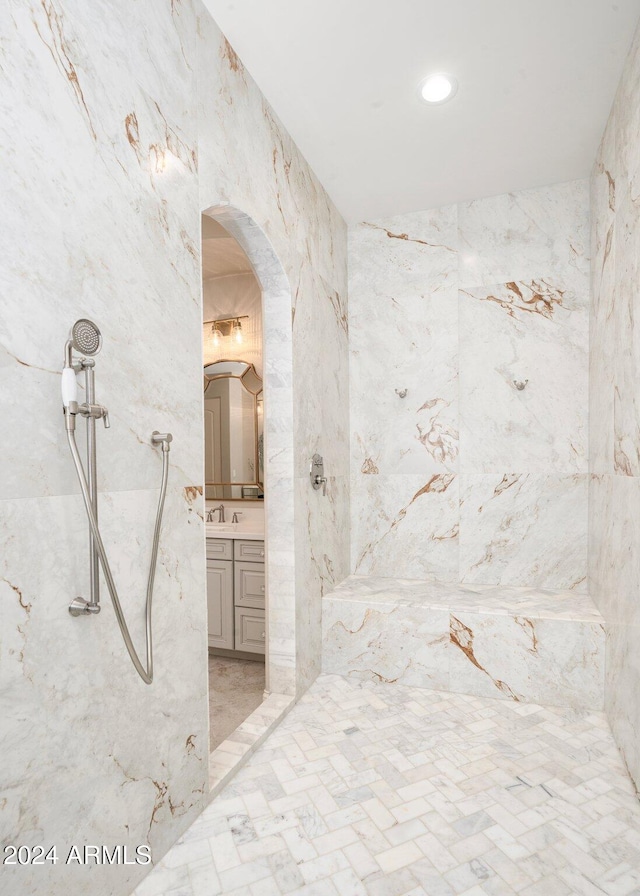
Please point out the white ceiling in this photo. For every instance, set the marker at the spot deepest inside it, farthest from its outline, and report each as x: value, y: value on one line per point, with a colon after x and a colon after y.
x: 536, y: 82
x: 221, y: 253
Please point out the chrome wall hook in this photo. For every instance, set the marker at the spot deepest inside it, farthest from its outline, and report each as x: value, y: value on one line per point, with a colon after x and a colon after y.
x: 520, y: 384
x: 401, y: 393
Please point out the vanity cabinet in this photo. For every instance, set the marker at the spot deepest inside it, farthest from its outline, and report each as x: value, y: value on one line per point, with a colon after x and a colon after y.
x: 220, y: 593
x: 236, y: 594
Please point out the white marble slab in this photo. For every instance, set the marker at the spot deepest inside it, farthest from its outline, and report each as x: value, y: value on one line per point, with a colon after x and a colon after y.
x: 407, y: 525
x: 234, y: 530
x: 549, y: 661
x: 526, y: 235
x: 520, y: 644
x: 479, y: 312
x: 403, y: 336
x: 386, y: 642
x: 614, y: 530
x: 524, y: 377
x: 524, y: 529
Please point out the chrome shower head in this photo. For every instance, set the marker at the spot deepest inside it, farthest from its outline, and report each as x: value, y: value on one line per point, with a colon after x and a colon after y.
x: 86, y: 337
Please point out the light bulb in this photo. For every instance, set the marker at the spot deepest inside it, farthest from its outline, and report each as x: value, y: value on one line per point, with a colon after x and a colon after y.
x: 237, y: 331
x: 217, y: 334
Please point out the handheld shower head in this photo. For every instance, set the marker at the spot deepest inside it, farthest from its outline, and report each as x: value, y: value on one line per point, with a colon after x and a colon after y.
x: 85, y: 337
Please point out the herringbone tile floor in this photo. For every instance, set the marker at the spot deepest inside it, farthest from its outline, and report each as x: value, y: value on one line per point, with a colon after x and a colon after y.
x: 388, y: 790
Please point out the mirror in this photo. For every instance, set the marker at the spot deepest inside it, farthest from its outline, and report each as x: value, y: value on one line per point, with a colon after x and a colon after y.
x: 233, y: 431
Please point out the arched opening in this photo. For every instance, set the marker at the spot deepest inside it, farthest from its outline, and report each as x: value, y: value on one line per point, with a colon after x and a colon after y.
x: 275, y: 458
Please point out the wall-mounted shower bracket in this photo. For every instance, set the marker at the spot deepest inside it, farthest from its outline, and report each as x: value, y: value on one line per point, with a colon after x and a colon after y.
x: 81, y: 607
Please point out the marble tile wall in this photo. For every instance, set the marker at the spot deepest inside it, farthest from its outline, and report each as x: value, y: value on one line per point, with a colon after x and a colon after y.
x: 480, y: 312
x: 267, y: 178
x: 119, y: 129
x: 614, y: 494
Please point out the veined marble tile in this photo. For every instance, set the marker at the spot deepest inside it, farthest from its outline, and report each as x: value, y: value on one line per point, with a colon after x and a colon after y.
x: 559, y: 663
x: 601, y: 552
x: 403, y: 255
x: 265, y: 182
x: 626, y: 118
x: 526, y: 779
x: 627, y: 342
x: 523, y: 378
x: 405, y: 525
x: 614, y: 530
x: 500, y: 600
x: 405, y: 345
x: 524, y: 529
x: 623, y: 681
x: 125, y: 163
x: 403, y: 339
x: 386, y: 642
x: 320, y: 373
x: 514, y: 643
x: 51, y: 661
x: 321, y: 533
x: 616, y: 577
x: 528, y: 235
x: 602, y: 335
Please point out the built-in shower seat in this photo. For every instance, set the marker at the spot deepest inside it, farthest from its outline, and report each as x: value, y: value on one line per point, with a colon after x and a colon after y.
x: 523, y: 644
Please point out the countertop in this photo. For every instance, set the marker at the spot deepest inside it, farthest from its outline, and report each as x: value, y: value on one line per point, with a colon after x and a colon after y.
x: 249, y: 531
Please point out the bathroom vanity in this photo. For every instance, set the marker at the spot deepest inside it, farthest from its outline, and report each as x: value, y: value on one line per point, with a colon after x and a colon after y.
x: 236, y: 589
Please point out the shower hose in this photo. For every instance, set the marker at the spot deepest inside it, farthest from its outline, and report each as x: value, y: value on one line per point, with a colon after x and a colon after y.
x: 145, y: 673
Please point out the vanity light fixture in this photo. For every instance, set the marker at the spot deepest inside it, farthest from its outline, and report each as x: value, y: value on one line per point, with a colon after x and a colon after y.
x: 226, y: 326
x: 438, y: 88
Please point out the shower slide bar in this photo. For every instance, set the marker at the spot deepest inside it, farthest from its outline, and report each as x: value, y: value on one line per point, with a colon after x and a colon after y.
x: 85, y: 338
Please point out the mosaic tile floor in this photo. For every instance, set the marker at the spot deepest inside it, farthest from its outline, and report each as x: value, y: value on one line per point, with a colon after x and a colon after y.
x: 388, y: 790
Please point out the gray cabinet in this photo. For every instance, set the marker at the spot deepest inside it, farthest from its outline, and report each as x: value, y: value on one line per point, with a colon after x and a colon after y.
x: 220, y: 603
x: 250, y: 630
x: 236, y: 594
x: 248, y: 584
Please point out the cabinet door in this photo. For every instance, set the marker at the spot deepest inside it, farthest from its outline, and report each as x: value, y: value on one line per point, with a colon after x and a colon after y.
x: 249, y: 584
x: 220, y: 603
x: 250, y: 630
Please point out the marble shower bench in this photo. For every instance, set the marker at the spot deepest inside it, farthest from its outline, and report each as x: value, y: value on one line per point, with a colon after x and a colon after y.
x: 521, y: 644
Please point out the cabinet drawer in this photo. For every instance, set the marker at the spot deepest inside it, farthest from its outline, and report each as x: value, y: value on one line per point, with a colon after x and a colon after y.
x: 219, y: 549
x: 249, y: 584
x: 253, y: 551
x: 250, y: 630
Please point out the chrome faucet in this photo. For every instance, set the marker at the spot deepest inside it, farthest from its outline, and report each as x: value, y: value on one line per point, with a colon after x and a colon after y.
x: 212, y: 511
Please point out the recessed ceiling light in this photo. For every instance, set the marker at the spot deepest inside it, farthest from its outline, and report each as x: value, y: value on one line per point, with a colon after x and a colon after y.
x: 438, y: 88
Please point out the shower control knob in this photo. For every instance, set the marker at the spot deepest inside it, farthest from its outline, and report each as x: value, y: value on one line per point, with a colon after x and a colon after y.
x: 316, y: 473
x: 105, y: 419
